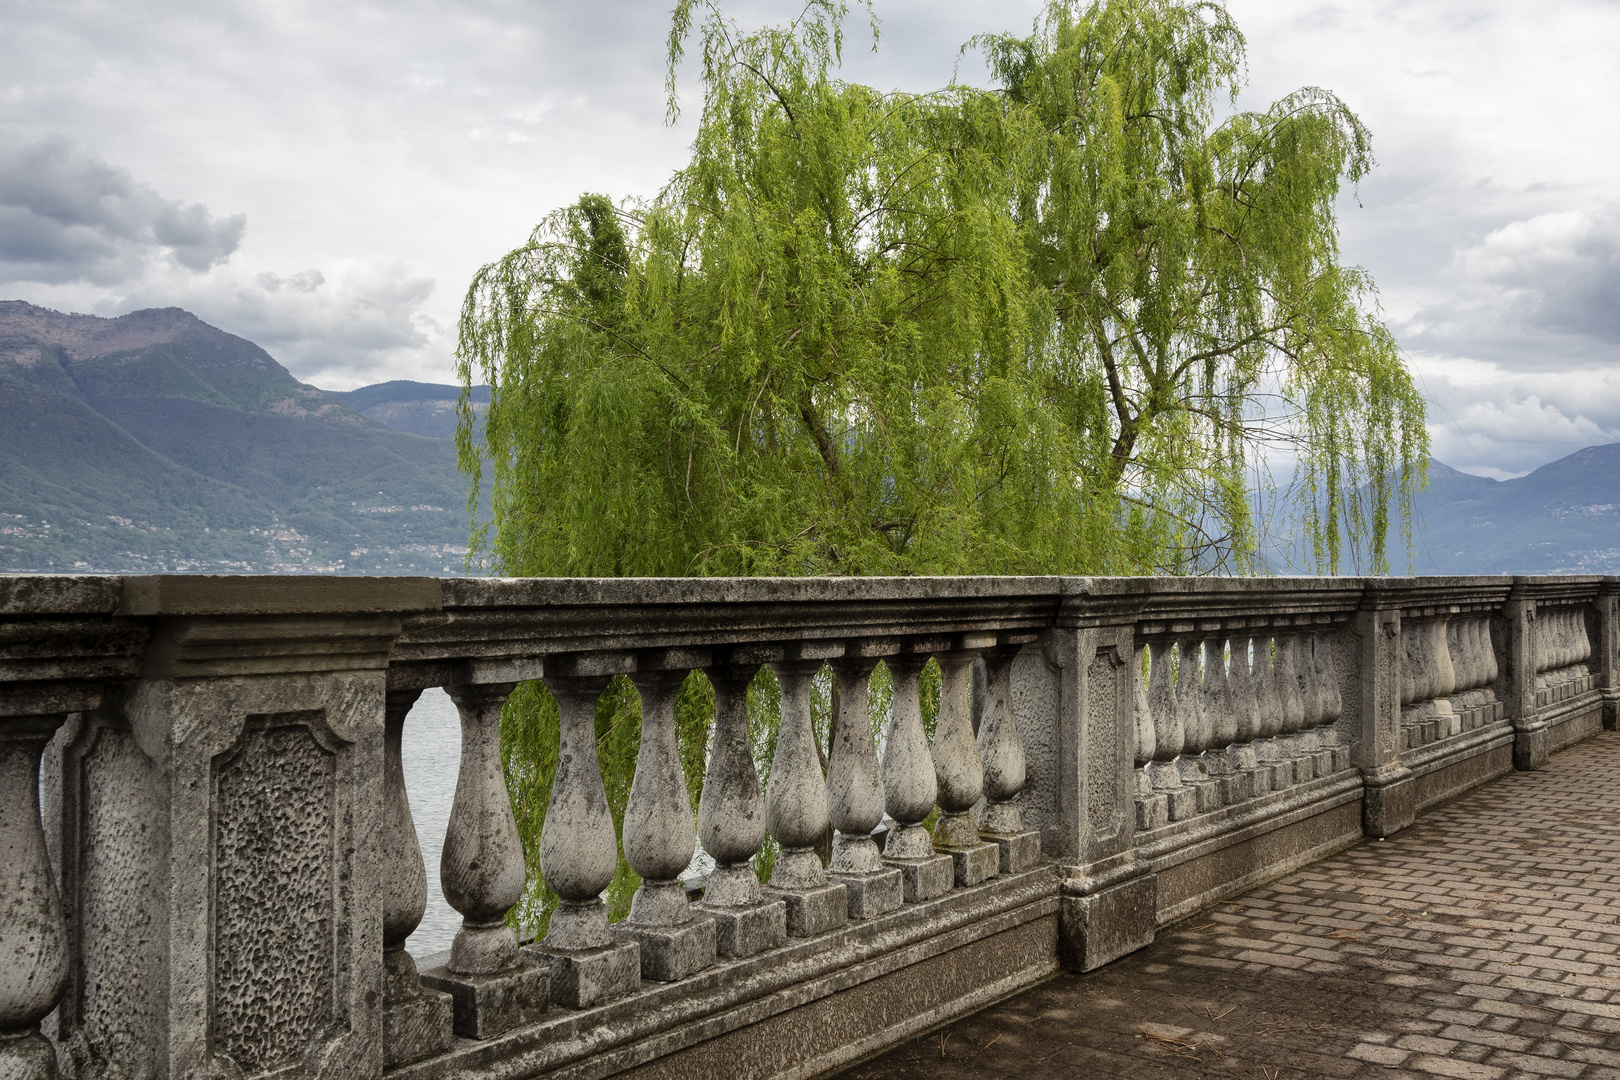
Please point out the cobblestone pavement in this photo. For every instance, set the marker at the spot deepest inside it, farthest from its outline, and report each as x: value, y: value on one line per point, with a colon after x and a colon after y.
x: 1480, y: 943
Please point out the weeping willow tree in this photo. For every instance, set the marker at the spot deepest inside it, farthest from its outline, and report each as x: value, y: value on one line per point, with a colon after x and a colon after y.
x: 1060, y: 324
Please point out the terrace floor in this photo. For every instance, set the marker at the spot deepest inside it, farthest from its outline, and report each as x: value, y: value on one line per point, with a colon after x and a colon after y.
x: 1482, y: 942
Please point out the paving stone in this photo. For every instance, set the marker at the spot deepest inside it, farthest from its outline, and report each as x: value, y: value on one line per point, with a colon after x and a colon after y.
x: 1481, y: 943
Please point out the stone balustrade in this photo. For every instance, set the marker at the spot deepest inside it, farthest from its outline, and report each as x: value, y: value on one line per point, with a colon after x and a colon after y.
x: 224, y: 872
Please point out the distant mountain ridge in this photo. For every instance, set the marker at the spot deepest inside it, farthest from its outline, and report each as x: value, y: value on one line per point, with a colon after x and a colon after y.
x: 420, y: 408
x: 1563, y: 518
x: 155, y: 441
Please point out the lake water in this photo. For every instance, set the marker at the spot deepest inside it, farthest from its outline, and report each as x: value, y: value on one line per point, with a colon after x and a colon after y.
x: 432, y: 756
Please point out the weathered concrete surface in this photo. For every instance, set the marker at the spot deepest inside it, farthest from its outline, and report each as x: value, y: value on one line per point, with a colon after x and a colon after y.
x: 1483, y: 942
x: 987, y: 942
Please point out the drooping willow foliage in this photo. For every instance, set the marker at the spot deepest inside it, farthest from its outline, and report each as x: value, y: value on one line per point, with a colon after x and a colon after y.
x: 1061, y: 324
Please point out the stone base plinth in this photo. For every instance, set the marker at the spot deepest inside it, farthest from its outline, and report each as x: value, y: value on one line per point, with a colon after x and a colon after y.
x: 1152, y: 811
x: 1182, y: 803
x: 814, y: 910
x: 583, y: 978
x: 871, y: 894
x: 925, y: 878
x: 417, y: 1022
x: 417, y: 1027
x: 1530, y: 749
x: 671, y: 953
x: 749, y: 929
x: 1389, y: 804
x: 1208, y: 795
x: 975, y: 864
x: 1094, y: 929
x: 1020, y: 851
x: 486, y: 1005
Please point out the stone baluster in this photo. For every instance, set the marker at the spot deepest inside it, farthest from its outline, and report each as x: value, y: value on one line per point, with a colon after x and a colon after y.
x: 855, y: 789
x: 1583, y: 638
x: 1307, y: 740
x: 1268, y: 749
x: 796, y: 811
x: 959, y: 772
x: 1169, y: 736
x: 1002, y: 751
x: 659, y: 840
x: 1246, y: 711
x: 1327, y: 678
x: 418, y: 1022
x: 1152, y: 808
x: 493, y: 985
x: 1444, y: 679
x: 33, y: 934
x: 1218, y: 761
x: 579, y: 853
x: 1429, y: 661
x: 1285, y: 676
x: 731, y: 824
x: 1479, y: 646
x: 1195, y: 721
x: 910, y: 788
x: 1463, y: 640
x: 1462, y: 643
x: 1445, y: 672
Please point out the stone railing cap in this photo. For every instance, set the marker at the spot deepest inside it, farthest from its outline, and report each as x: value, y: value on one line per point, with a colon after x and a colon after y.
x: 60, y: 594
x: 200, y: 594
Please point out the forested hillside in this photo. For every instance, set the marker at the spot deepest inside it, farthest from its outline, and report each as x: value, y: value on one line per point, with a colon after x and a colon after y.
x: 156, y: 442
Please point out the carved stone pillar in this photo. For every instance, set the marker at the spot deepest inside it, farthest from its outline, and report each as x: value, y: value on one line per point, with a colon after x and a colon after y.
x: 417, y: 1022
x: 233, y: 888
x: 1390, y: 801
x: 494, y: 985
x: 579, y: 854
x: 910, y: 788
x: 959, y: 773
x: 796, y: 811
x: 1525, y: 648
x: 1608, y: 643
x: 1002, y: 751
x: 731, y: 824
x: 659, y: 840
x: 1108, y: 899
x: 855, y: 791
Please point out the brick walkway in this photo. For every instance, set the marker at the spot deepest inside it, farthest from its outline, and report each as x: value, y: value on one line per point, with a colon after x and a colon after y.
x: 1481, y: 942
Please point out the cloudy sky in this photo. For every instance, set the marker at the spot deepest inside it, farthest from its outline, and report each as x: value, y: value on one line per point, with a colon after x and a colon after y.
x: 324, y: 177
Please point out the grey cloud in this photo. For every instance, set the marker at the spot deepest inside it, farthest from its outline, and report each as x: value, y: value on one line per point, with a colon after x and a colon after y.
x: 67, y: 215
x: 1560, y: 271
x: 1541, y: 293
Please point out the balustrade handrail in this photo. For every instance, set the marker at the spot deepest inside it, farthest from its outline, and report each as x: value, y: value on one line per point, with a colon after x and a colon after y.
x: 202, y: 736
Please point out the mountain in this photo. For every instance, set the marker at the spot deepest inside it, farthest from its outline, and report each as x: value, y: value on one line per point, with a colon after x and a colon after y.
x: 154, y: 442
x: 1563, y: 518
x: 420, y: 408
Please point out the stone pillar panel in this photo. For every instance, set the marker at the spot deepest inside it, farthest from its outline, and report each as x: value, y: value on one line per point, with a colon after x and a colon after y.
x: 266, y: 836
